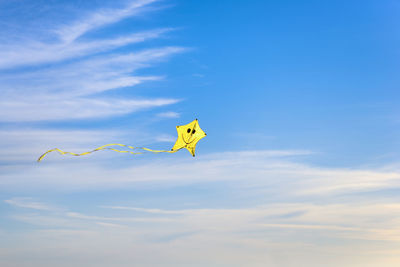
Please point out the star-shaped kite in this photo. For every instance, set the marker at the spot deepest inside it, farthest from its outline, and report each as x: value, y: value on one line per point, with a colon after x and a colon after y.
x: 188, y: 136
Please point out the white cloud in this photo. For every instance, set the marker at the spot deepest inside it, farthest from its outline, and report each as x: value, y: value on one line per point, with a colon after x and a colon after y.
x: 24, y: 202
x: 100, y: 18
x: 165, y: 138
x: 347, y: 234
x: 155, y: 211
x: 168, y: 114
x: 85, y: 77
x: 85, y: 67
x: 75, y: 108
x: 34, y: 52
x: 66, y: 92
x: 262, y: 172
x: 301, y: 209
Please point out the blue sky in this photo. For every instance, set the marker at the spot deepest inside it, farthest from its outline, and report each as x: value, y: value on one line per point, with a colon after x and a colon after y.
x: 299, y: 100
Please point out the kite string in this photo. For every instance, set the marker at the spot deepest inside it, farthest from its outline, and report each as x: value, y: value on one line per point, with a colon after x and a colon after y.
x: 107, y: 147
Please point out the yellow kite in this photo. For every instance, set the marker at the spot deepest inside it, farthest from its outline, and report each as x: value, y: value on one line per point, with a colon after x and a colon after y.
x: 188, y: 136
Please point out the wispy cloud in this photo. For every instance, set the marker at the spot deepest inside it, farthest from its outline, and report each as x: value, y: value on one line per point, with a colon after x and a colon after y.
x: 236, y: 236
x: 66, y: 92
x: 57, y: 109
x: 300, y: 208
x: 99, y: 19
x: 263, y: 172
x: 24, y: 202
x: 38, y: 51
x: 33, y: 52
x: 168, y: 114
x: 70, y: 89
x: 165, y: 138
x: 155, y: 211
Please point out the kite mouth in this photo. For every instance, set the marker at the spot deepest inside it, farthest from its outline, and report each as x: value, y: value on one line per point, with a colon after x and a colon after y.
x: 188, y: 143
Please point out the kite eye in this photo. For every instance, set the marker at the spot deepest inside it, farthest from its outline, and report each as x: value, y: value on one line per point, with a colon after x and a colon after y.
x: 188, y: 130
x: 193, y: 131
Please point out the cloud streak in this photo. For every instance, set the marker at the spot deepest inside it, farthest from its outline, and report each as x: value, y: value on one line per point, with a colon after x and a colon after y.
x: 100, y: 18
x: 33, y: 52
x: 263, y: 172
x: 86, y: 68
x: 56, y: 109
x: 27, y: 203
x: 322, y: 231
x: 301, y: 209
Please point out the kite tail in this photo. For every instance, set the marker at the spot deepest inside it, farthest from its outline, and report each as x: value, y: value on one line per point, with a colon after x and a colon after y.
x: 110, y: 148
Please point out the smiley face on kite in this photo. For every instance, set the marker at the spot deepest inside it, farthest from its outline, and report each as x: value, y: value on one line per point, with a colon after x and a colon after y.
x: 188, y: 136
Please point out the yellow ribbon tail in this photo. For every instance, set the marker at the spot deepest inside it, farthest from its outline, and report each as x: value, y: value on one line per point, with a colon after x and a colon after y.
x: 109, y: 148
